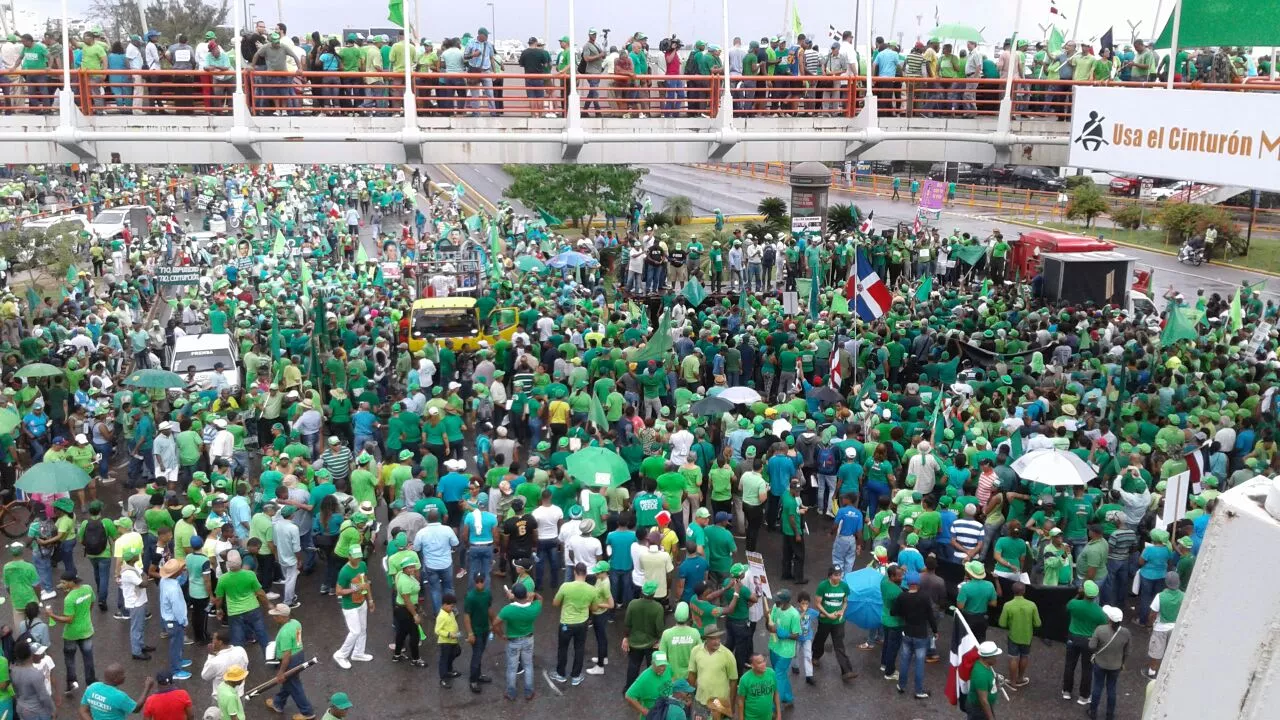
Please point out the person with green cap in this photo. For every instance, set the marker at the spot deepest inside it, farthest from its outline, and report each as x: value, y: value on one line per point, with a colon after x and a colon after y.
x: 679, y: 641
x: 339, y: 705
x: 96, y: 535
x: 1155, y: 560
x: 77, y: 633
x: 1084, y: 616
x: 653, y: 686
x: 642, y: 629
x: 22, y: 581
x: 783, y: 623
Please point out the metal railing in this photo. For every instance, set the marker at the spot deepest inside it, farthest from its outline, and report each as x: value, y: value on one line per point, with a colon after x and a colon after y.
x: 313, y: 93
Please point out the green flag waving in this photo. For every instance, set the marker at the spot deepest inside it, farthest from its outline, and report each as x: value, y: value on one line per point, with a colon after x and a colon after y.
x: 495, y: 252
x: 278, y: 247
x: 305, y: 278
x: 472, y: 223
x: 1056, y: 41
x: 549, y: 219
x: 1181, y: 325
x: 839, y: 303
x: 694, y: 292
x: 1237, y: 315
x: 926, y: 287
x: 659, y: 342
x: 395, y: 12
x: 597, y: 415
x: 362, y: 257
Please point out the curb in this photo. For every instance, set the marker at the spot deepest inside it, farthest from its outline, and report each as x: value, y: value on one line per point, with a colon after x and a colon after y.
x: 1158, y: 251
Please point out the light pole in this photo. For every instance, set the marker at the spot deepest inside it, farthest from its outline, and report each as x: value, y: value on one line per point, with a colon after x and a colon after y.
x: 493, y: 22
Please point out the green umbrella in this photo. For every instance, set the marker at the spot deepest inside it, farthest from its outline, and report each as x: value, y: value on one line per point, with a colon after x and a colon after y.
x: 955, y: 31
x: 155, y: 379
x: 8, y: 421
x: 53, y: 477
x: 596, y: 467
x: 529, y: 263
x: 39, y: 370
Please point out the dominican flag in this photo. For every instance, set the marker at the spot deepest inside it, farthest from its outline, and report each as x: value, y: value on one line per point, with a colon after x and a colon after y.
x: 870, y: 295
x: 964, y: 653
x: 916, y: 226
x: 1198, y: 467
x: 170, y: 226
x: 836, y: 379
x: 867, y: 227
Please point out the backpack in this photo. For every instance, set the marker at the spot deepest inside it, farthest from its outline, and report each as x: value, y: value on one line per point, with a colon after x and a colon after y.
x: 825, y: 457
x: 46, y: 531
x: 770, y: 255
x: 95, y: 537
x: 659, y: 709
x: 690, y: 68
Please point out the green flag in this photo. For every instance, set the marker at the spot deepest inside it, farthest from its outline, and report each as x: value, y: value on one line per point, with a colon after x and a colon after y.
x: 1209, y: 23
x: 305, y: 278
x: 549, y: 219
x: 275, y: 339
x: 33, y: 300
x: 1055, y: 41
x: 659, y: 342
x: 1181, y: 325
x: 597, y: 414
x: 986, y: 287
x: 926, y: 287
x: 839, y: 303
x: 1015, y: 446
x: 1237, y: 316
x: 495, y: 252
x: 362, y: 257
x: 395, y: 12
x: 279, y: 246
x: 694, y: 292
x: 472, y: 223
x: 378, y: 280
x: 968, y: 254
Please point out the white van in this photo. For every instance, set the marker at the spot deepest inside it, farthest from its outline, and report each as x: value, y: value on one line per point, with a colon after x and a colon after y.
x: 202, y: 353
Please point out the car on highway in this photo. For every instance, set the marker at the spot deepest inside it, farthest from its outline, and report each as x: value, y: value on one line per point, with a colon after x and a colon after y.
x: 1181, y: 190
x: 1033, y: 177
x: 958, y: 172
x: 109, y: 223
x: 202, y: 353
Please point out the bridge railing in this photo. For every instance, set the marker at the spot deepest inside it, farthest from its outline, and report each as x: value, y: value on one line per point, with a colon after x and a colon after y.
x: 524, y: 95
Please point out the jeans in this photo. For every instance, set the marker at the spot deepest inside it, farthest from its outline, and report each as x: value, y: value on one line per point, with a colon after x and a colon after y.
x: 844, y: 552
x: 623, y: 587
x: 873, y: 492
x: 101, y: 578
x: 826, y: 494
x: 406, y: 632
x: 1119, y: 580
x: 477, y: 657
x: 357, y: 621
x: 1109, y: 678
x: 292, y: 688
x: 69, y: 659
x: 1147, y: 589
x: 600, y: 624
x: 448, y: 653
x: 438, y: 582
x: 912, y: 655
x: 548, y: 555
x: 141, y: 469
x: 738, y: 638
x: 44, y: 569
x: 889, y: 651
x: 577, y: 634
x: 177, y: 634
x: 137, y: 629
x: 479, y: 562
x: 637, y: 659
x: 1078, y: 652
x: 520, y: 653
x: 307, y: 540
x: 248, y: 624
x: 104, y: 462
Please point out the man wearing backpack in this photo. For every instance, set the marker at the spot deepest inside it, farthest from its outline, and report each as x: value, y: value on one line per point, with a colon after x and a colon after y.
x: 96, y: 536
x: 827, y: 463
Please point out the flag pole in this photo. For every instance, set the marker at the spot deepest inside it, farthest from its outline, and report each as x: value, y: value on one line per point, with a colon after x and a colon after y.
x: 1173, y: 50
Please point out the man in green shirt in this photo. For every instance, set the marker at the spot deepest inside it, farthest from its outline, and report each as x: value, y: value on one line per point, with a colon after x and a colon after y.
x: 758, y: 697
x: 831, y: 599
x: 514, y: 623
x: 78, y: 633
x: 1020, y: 617
x: 290, y: 653
x: 356, y: 602
x: 983, y: 690
x: 23, y: 582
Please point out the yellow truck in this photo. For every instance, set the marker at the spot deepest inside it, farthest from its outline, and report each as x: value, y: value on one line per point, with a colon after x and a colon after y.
x: 457, y: 319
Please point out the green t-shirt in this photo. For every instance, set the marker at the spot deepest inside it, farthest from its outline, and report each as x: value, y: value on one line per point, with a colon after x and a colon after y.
x: 649, y: 686
x: 1084, y: 617
x: 982, y: 679
x: 719, y: 546
x: 757, y: 693
x: 1021, y: 617
x: 721, y: 483
x: 107, y: 702
x: 93, y: 57
x: 197, y: 566
x: 741, y: 611
x: 889, y: 592
x: 831, y: 597
x: 407, y: 586
x: 20, y: 577
x: 239, y: 591
x: 678, y: 643
x: 77, y: 604
x: 35, y: 57
x: 260, y: 527
x: 575, y: 600
x: 346, y: 577
x: 1012, y: 549
x: 289, y: 638
x: 785, y: 620
x: 975, y: 596
x: 519, y: 619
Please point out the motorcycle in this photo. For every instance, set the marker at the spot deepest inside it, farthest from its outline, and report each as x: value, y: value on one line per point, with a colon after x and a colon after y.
x: 1191, y: 254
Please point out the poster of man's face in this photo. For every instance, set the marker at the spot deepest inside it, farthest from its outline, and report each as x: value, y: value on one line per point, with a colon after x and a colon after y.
x: 242, y: 249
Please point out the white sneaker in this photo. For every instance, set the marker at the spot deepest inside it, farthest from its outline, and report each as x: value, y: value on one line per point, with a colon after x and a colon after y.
x: 48, y: 595
x: 362, y: 658
x: 596, y: 670
x: 342, y: 662
x: 273, y: 596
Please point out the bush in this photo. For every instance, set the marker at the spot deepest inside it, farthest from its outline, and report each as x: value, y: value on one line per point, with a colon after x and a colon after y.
x: 774, y: 210
x: 759, y: 229
x: 657, y: 219
x: 1074, y: 181
x: 1131, y: 217
x: 843, y: 218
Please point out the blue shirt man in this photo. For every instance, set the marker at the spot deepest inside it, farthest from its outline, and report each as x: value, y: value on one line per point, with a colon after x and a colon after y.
x: 780, y: 469
x: 453, y: 486
x: 434, y: 544
x: 848, y: 521
x: 692, y: 570
x: 887, y: 62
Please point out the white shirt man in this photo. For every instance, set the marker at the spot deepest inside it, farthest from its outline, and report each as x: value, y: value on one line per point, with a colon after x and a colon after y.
x: 223, y: 444
x: 925, y: 468
x: 548, y: 518
x: 681, y: 442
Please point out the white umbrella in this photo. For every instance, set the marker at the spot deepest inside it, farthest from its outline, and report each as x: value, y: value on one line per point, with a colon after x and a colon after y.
x: 1053, y: 467
x: 740, y: 395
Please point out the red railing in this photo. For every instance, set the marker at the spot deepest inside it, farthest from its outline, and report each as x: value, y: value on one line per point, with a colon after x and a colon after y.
x: 524, y: 95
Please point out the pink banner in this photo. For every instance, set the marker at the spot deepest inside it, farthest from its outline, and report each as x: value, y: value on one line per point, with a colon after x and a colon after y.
x: 933, y: 194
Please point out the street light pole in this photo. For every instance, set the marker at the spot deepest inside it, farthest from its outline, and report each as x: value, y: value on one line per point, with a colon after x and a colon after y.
x: 493, y: 22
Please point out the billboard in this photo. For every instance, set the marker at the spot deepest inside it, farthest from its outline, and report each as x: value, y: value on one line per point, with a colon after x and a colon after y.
x: 177, y: 275
x: 1222, y: 138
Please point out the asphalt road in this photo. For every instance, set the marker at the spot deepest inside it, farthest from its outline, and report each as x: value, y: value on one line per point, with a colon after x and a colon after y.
x: 739, y: 195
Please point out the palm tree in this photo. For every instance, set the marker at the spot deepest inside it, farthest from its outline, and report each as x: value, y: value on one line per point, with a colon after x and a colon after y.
x: 774, y: 210
x: 843, y: 218
x: 679, y: 208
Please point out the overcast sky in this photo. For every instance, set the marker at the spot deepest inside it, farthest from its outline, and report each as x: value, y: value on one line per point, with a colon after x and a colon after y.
x: 693, y: 19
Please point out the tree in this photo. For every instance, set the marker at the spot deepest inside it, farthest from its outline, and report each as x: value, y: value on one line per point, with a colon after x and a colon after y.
x: 679, y: 208
x: 576, y: 193
x: 1182, y: 220
x: 1086, y: 202
x: 842, y: 218
x: 47, y: 251
x: 774, y: 210
x: 193, y: 18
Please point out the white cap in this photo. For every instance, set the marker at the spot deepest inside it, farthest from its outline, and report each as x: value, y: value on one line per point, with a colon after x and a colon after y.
x: 455, y: 385
x: 1113, y: 613
x: 433, y: 411
x: 81, y: 439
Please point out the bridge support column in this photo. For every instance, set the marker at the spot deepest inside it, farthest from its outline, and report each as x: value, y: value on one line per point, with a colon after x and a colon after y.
x: 241, y: 133
x: 68, y: 120
x: 411, y: 138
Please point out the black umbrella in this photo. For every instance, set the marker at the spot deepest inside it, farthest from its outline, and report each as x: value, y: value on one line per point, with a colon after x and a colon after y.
x: 710, y: 406
x: 826, y: 395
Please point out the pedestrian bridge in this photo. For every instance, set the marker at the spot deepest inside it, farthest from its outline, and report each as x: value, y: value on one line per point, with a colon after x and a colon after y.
x: 164, y: 116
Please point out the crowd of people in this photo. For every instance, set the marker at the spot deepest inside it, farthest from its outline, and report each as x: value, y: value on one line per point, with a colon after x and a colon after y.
x: 591, y: 461
x: 359, y: 73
